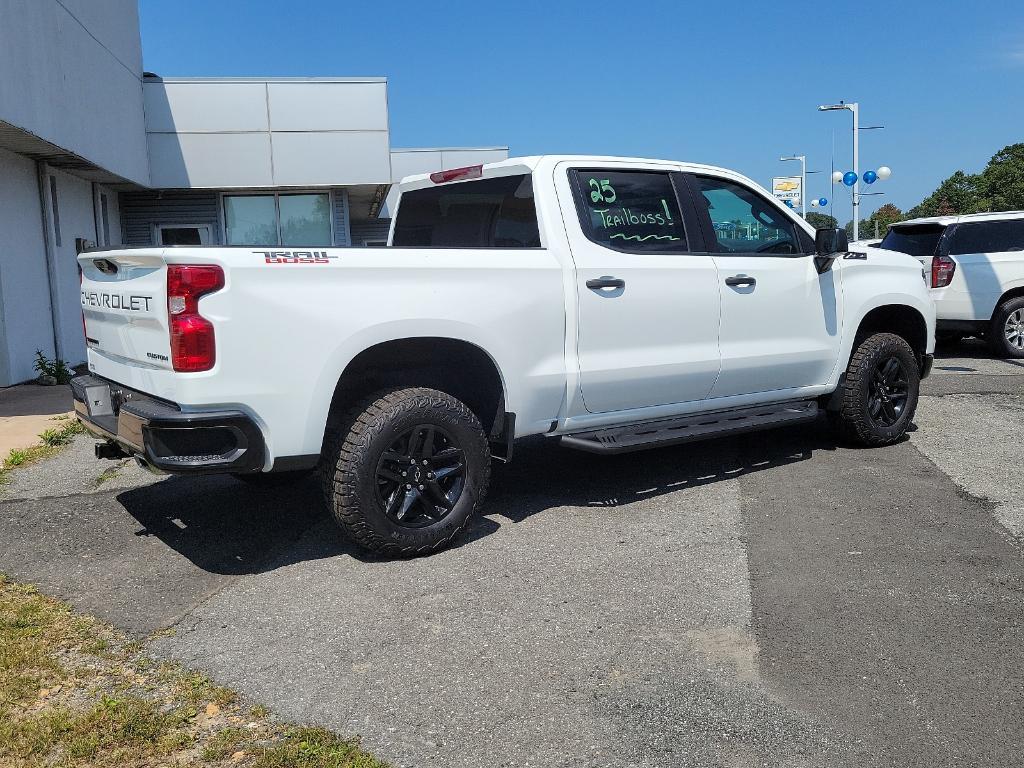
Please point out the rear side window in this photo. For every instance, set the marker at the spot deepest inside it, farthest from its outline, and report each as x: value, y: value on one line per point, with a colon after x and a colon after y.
x: 633, y: 211
x: 915, y: 240
x: 988, y: 237
x: 490, y: 213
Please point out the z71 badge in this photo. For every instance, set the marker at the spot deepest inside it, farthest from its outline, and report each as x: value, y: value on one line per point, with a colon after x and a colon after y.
x: 296, y: 257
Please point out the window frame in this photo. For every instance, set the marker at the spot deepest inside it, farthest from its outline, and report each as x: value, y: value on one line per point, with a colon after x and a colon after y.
x: 277, y: 194
x: 804, y: 240
x: 690, y: 223
x: 198, y: 226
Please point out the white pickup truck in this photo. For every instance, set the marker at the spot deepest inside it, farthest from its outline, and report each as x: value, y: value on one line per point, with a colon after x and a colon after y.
x: 611, y: 303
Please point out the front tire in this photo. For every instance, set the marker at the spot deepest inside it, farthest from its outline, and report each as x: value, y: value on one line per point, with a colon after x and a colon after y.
x: 406, y: 470
x: 1006, y: 332
x: 880, y: 391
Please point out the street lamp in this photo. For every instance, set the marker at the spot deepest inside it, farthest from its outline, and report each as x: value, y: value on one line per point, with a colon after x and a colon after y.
x: 853, y: 107
x: 803, y: 181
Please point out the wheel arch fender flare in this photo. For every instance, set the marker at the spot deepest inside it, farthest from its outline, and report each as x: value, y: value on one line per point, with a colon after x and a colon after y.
x: 344, y: 354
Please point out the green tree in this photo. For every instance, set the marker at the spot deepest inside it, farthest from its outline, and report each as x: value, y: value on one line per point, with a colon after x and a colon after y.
x: 960, y: 193
x: 1002, y: 181
x: 821, y: 220
x: 885, y: 216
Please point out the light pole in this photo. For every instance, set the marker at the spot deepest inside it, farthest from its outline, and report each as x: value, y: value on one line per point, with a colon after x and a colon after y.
x: 853, y: 107
x: 803, y: 181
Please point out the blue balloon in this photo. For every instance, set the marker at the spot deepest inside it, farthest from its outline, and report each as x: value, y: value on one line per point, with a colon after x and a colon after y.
x: 849, y: 178
x: 870, y: 177
x: 822, y: 201
x: 789, y: 203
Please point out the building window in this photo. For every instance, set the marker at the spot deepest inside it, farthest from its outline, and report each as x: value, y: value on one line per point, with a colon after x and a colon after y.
x: 278, y: 219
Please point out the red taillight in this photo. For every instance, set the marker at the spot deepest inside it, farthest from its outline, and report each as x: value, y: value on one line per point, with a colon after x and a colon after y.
x: 943, y: 268
x: 469, y: 172
x: 192, y: 343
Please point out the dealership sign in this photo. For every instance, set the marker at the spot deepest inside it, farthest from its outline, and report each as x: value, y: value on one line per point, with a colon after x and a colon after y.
x: 788, y: 189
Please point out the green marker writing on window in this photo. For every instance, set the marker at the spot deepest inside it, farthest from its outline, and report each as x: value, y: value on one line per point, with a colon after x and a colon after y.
x: 601, y: 191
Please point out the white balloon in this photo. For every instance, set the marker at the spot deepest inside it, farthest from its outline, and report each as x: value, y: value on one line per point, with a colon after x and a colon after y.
x: 814, y: 203
x: 884, y: 172
x: 837, y: 176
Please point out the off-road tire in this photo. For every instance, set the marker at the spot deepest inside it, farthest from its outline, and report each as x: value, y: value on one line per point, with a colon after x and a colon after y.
x: 353, y: 448
x: 853, y: 419
x: 996, y: 336
x: 273, y: 479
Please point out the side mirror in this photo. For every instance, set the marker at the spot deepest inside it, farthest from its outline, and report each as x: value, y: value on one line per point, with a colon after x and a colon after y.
x: 828, y: 242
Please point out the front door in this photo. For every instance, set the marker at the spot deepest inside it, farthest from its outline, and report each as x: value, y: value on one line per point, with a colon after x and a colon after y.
x: 648, y: 304
x: 780, y: 318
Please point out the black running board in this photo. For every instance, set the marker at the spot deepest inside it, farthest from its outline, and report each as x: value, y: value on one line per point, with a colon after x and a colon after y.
x: 698, y: 426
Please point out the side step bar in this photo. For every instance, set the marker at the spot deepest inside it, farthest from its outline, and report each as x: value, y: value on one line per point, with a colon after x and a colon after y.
x: 698, y: 426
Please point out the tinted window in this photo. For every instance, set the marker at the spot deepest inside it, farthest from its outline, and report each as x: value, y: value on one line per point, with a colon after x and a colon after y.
x: 916, y: 239
x: 988, y: 237
x: 490, y: 213
x: 634, y: 211
x: 745, y: 222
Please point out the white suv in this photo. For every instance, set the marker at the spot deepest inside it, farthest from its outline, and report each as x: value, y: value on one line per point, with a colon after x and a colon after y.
x: 975, y: 267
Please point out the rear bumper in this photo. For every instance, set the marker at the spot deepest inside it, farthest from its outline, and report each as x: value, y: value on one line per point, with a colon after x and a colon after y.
x: 165, y: 437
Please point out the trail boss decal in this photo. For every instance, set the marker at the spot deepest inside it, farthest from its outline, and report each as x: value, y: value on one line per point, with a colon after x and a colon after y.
x: 116, y: 301
x: 296, y: 257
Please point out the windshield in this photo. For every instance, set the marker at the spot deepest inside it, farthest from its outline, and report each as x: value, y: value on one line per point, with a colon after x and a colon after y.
x: 916, y: 239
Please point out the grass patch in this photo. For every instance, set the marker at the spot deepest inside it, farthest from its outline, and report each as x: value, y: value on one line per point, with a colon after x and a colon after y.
x: 52, y: 441
x: 75, y: 693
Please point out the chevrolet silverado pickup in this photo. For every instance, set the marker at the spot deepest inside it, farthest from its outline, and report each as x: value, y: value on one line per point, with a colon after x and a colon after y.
x: 612, y: 304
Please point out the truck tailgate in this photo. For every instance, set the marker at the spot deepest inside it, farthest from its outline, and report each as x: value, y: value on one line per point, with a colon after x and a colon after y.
x: 124, y: 304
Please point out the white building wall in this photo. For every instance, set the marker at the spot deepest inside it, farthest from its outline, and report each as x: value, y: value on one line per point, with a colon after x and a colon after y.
x: 72, y: 75
x: 76, y: 215
x: 242, y: 133
x: 24, y: 293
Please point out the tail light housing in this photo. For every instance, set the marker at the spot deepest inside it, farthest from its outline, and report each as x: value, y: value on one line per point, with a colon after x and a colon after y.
x: 943, y: 269
x: 193, y: 347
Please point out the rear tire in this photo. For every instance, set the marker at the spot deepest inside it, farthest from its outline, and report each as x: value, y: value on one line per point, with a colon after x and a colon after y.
x: 880, y: 391
x: 405, y: 470
x: 1006, y: 331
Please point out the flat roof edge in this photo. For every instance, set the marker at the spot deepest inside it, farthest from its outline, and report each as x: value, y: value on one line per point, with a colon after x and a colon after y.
x: 159, y: 79
x: 449, y: 149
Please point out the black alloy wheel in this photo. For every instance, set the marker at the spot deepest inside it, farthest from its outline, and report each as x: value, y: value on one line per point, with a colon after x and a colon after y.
x: 888, y: 391
x: 420, y: 476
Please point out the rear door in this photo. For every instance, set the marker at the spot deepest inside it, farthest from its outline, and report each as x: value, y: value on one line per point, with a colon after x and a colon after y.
x: 648, y: 299
x: 990, y: 261
x: 780, y: 318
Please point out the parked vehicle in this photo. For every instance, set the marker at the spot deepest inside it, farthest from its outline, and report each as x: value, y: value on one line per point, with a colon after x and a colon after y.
x: 976, y: 268
x: 611, y: 303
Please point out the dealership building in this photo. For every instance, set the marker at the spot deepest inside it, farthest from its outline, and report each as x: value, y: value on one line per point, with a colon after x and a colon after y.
x: 93, y: 151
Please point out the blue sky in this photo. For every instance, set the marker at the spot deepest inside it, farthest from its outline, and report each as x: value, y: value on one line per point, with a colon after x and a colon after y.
x: 729, y: 83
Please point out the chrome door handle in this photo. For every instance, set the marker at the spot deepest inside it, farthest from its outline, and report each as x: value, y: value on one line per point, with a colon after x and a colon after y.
x: 606, y: 282
x: 738, y: 281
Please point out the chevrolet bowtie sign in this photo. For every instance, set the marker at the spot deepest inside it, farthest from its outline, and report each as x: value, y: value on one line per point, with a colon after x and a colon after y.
x: 788, y: 188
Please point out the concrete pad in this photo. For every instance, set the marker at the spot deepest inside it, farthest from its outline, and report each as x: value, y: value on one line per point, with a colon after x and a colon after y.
x: 976, y: 440
x: 27, y: 410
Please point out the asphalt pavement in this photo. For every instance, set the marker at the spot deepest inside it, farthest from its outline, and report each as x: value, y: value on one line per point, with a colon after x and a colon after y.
x: 774, y: 599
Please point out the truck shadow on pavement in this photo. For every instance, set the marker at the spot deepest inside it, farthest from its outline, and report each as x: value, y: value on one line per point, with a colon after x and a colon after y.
x: 226, y: 527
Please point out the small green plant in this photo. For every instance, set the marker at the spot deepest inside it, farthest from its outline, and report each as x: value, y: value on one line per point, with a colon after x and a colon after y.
x: 57, y: 369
